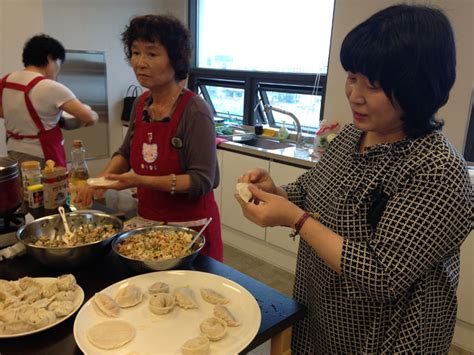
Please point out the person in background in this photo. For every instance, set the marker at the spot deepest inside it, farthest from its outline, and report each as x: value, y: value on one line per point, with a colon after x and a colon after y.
x: 32, y: 101
x: 384, y: 212
x: 169, y: 151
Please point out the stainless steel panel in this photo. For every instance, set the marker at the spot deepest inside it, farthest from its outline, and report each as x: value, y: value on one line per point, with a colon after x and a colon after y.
x: 84, y: 72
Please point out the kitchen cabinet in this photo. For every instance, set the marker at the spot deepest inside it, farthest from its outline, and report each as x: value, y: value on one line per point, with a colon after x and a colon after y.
x: 233, y: 166
x: 279, y: 236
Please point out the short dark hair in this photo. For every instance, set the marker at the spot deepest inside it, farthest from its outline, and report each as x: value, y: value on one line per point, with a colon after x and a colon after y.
x: 39, y: 47
x: 166, y: 29
x: 410, y: 51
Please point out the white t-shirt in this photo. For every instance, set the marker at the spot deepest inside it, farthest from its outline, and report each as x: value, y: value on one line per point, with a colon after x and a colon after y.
x: 47, y: 97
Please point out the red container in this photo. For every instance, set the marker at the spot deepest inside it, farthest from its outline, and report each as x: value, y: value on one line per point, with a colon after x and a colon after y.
x: 10, y: 186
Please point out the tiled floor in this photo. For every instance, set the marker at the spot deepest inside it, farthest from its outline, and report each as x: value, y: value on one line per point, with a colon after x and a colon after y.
x: 278, y: 279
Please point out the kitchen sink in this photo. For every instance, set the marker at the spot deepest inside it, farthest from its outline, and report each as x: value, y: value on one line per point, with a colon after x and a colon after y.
x: 269, y: 144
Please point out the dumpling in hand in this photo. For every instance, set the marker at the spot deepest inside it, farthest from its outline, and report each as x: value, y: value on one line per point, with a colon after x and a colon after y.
x: 66, y: 282
x: 243, y: 191
x: 159, y: 287
x: 213, y: 297
x: 128, y: 296
x: 196, y: 346
x: 61, y: 308
x: 223, y: 313
x: 106, y: 305
x: 213, y: 328
x: 161, y: 303
x: 185, y: 298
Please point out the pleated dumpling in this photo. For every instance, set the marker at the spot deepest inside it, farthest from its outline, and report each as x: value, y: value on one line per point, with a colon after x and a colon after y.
x: 184, y: 297
x: 161, y: 303
x: 159, y: 287
x: 196, y: 346
x: 65, y: 296
x: 128, y: 296
x: 66, y: 282
x: 223, y: 313
x: 213, y: 297
x: 42, y: 317
x: 106, y: 305
x: 61, y: 308
x: 213, y: 328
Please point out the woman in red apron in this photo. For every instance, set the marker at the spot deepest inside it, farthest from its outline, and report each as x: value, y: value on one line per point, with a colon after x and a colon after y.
x: 31, y: 101
x: 170, y: 144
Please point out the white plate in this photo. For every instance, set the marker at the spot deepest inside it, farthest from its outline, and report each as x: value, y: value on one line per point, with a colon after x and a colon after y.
x: 165, y: 334
x: 77, y: 303
x: 100, y: 181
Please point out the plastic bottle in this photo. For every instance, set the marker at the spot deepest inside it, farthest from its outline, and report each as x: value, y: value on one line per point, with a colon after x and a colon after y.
x: 30, y: 175
x: 283, y: 132
x: 79, y: 173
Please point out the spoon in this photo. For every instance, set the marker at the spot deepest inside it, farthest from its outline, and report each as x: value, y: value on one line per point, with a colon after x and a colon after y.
x: 197, y: 235
x: 68, y: 236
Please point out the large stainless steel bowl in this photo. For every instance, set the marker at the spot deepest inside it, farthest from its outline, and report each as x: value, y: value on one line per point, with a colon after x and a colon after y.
x: 141, y: 266
x: 72, y: 256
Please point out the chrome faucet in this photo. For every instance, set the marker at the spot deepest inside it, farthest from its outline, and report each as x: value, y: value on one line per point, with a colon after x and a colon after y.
x: 299, y: 137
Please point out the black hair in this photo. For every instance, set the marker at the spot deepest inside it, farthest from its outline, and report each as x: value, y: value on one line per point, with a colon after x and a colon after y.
x: 166, y: 29
x: 410, y: 51
x: 38, y: 48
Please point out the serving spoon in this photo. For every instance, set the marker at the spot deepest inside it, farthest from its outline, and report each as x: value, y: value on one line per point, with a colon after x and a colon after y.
x: 68, y: 235
x: 196, y: 237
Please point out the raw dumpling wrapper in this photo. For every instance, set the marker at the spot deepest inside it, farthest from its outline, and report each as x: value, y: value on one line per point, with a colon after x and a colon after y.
x: 129, y: 296
x: 185, y: 298
x: 213, y: 297
x: 111, y: 334
x: 196, y: 346
x: 161, y: 303
x: 223, y: 313
x: 159, y: 287
x: 106, y: 305
x: 243, y: 191
x: 213, y: 328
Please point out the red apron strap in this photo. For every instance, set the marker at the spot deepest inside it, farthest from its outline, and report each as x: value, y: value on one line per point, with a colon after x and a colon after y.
x: 2, y: 85
x: 182, y: 103
x: 29, y: 105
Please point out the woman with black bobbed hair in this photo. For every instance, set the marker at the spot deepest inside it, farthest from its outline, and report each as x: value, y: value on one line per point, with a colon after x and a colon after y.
x: 381, y: 217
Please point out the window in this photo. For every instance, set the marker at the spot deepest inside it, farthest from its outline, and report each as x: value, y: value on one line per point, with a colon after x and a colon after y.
x: 249, y: 54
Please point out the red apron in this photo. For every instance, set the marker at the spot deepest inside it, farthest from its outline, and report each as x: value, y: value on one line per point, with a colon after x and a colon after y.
x: 51, y: 140
x: 153, y: 154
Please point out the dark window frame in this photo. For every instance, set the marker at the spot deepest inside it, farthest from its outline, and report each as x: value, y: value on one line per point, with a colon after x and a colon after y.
x: 251, y: 81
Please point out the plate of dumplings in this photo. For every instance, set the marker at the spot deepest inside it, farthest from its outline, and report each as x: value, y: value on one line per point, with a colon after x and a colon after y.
x: 30, y: 305
x: 169, y: 312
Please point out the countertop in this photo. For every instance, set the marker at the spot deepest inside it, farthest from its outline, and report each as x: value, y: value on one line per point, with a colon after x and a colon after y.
x: 286, y: 155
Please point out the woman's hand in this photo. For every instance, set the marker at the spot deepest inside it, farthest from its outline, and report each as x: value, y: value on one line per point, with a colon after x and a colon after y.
x: 124, y: 181
x: 86, y: 194
x: 271, y: 210
x: 260, y: 178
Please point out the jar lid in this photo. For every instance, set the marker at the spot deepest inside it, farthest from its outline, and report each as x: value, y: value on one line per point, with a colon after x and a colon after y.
x: 77, y: 143
x: 30, y: 164
x: 8, y: 167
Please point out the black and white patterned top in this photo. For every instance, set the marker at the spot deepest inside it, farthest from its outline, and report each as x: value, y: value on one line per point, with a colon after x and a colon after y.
x: 403, y: 209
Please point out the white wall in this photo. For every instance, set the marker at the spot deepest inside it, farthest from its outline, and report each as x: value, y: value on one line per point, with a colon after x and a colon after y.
x: 349, y: 13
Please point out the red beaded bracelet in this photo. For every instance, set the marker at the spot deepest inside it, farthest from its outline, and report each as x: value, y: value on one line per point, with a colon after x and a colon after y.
x: 299, y: 225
